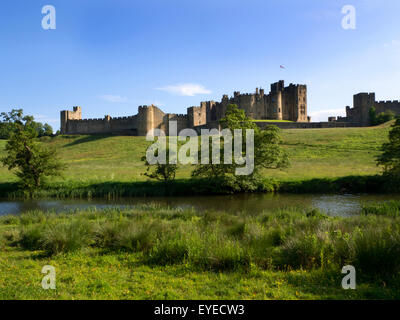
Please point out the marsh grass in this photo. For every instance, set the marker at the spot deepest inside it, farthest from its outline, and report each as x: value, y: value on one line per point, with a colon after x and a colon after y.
x: 389, y: 208
x: 284, y: 239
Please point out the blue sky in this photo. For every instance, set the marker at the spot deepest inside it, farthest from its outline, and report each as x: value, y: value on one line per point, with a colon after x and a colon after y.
x: 112, y: 56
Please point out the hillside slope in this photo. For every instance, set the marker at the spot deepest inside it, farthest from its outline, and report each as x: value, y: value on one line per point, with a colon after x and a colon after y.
x: 314, y: 153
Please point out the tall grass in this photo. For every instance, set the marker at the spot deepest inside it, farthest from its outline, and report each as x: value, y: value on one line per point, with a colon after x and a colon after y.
x: 284, y: 239
x: 389, y: 208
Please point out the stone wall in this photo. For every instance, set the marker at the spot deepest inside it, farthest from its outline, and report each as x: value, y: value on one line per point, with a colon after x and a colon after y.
x: 282, y: 103
x: 307, y: 125
x: 362, y: 104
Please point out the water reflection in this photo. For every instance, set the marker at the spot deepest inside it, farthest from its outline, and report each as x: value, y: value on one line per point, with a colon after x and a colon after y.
x: 335, y: 205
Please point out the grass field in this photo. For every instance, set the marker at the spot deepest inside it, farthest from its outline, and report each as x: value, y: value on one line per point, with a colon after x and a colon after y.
x: 314, y: 153
x: 153, y: 252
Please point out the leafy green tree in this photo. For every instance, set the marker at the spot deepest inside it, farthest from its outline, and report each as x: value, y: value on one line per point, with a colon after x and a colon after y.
x: 372, y: 116
x: 47, y: 130
x: 390, y: 157
x: 9, y: 120
x: 383, y: 117
x: 32, y: 161
x: 236, y: 118
x: 268, y: 153
x: 162, y: 172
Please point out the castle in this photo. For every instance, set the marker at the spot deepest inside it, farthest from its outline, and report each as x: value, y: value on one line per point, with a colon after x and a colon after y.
x: 362, y: 103
x: 282, y: 103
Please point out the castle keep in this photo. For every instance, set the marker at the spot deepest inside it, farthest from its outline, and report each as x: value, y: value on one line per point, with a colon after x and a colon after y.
x: 282, y: 103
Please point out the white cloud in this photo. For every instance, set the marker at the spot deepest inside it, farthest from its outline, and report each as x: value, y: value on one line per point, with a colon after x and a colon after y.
x: 113, y: 98
x: 187, y: 89
x: 322, y: 115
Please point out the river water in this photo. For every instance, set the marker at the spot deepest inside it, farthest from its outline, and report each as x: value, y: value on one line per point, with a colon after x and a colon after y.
x: 335, y: 205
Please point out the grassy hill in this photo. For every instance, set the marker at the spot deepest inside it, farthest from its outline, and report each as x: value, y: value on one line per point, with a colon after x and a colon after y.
x: 314, y: 153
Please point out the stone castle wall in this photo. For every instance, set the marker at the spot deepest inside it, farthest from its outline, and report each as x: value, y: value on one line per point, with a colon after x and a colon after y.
x: 282, y: 103
x: 362, y: 104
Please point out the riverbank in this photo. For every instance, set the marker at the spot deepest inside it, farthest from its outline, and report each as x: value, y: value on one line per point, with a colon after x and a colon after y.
x: 200, y: 187
x: 155, y: 252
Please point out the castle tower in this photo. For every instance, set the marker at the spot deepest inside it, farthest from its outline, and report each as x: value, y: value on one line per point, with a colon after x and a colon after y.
x: 362, y: 104
x: 65, y: 116
x: 149, y: 118
x: 276, y: 98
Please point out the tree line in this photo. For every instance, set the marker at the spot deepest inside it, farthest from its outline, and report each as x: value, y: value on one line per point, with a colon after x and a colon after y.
x: 8, y: 122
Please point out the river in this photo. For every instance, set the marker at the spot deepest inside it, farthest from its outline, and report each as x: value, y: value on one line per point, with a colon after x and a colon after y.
x: 334, y: 205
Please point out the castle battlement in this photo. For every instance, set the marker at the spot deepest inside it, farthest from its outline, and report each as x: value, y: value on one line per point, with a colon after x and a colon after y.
x: 389, y: 101
x: 363, y: 102
x: 282, y: 103
x: 123, y: 118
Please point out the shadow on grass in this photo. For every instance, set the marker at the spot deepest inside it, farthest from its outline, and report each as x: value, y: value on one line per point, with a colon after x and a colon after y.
x: 195, y: 187
x: 85, y: 139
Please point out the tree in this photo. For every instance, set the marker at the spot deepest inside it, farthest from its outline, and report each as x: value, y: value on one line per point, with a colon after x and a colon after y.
x: 47, y: 130
x: 162, y: 172
x: 267, y: 152
x: 32, y: 160
x: 236, y: 118
x: 390, y: 157
x: 372, y: 116
x: 15, y: 117
x: 383, y: 117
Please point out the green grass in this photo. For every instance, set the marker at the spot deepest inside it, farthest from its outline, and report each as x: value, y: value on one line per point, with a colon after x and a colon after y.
x: 102, y: 165
x: 314, y: 153
x: 155, y: 252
